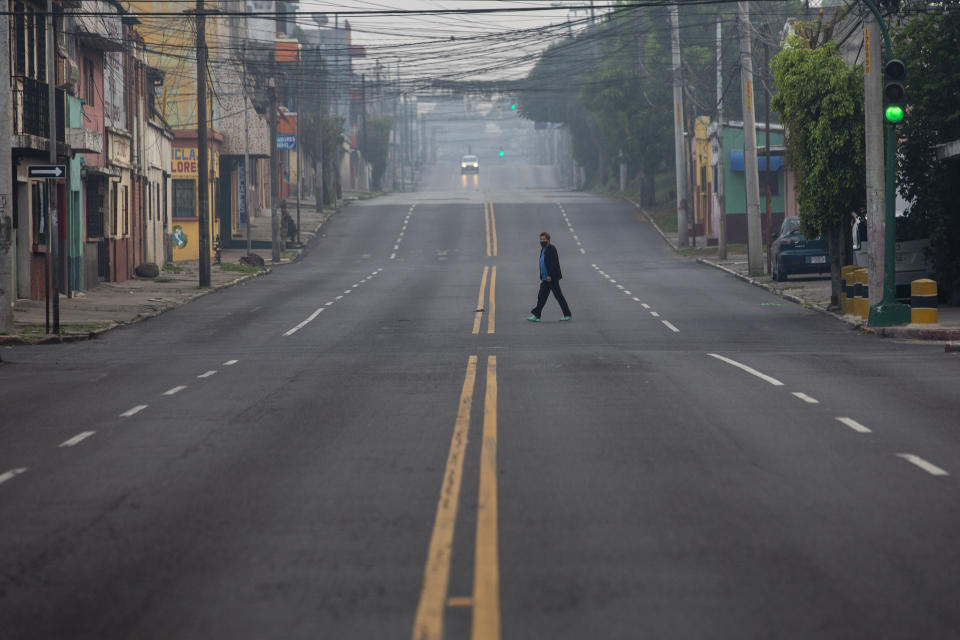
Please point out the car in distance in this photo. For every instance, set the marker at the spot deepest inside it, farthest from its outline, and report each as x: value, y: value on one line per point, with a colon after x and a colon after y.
x: 792, y: 253
x: 469, y: 164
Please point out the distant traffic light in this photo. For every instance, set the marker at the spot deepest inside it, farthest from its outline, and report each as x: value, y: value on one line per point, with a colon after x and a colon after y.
x: 501, y: 153
x: 513, y: 107
x: 894, y: 91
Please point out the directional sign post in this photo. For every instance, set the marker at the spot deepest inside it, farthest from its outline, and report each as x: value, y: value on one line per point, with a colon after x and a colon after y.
x: 49, y: 171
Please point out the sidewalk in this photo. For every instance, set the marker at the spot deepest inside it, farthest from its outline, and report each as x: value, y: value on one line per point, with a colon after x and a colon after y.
x: 112, y: 304
x: 811, y: 291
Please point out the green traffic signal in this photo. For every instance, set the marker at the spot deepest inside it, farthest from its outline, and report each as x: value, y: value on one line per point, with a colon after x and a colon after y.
x: 893, y: 114
x: 501, y: 153
x: 513, y: 107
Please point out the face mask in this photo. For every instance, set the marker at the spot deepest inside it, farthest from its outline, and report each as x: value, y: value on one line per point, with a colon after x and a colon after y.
x: 543, y: 243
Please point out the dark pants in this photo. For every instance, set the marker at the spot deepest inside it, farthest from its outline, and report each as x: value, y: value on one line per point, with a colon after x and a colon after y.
x: 545, y: 289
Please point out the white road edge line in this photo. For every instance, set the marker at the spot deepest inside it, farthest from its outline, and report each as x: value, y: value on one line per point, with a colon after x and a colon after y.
x: 175, y: 390
x: 853, y: 424
x: 804, y: 397
x: 670, y: 326
x: 749, y: 370
x: 10, y: 475
x: 230, y: 363
x: 207, y: 374
x: 929, y: 467
x: 77, y: 439
x: 132, y: 412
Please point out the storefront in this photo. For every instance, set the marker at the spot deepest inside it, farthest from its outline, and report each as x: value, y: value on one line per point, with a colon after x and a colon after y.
x: 185, y: 232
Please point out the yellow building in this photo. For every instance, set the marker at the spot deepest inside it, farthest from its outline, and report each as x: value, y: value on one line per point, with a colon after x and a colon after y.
x: 702, y: 178
x: 171, y: 47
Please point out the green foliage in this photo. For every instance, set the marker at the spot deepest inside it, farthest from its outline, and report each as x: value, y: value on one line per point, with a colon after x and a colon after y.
x: 375, y: 145
x: 928, y: 44
x: 820, y: 100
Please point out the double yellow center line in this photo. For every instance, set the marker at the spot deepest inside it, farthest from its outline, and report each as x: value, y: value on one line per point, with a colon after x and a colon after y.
x: 434, y: 600
x: 490, y: 223
x: 491, y: 307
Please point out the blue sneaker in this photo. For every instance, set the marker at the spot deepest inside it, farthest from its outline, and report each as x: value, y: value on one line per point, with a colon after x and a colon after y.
x: 533, y: 319
x: 566, y: 319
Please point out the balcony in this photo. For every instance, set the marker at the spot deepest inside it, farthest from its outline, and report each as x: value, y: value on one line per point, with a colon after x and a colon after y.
x: 30, y: 114
x: 85, y: 141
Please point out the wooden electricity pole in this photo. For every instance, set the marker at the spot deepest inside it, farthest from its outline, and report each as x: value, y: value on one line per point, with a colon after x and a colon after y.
x: 203, y: 171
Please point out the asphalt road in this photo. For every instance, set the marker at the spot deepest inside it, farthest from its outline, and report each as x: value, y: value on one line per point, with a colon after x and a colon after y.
x: 347, y: 448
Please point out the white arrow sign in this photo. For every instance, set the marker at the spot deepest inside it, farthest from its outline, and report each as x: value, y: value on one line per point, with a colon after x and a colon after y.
x: 46, y: 171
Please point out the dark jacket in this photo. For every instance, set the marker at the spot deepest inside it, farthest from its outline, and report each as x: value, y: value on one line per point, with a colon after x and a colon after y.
x: 552, y: 261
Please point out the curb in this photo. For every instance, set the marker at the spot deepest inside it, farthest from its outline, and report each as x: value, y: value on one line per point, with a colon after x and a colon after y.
x: 17, y: 340
x: 652, y: 223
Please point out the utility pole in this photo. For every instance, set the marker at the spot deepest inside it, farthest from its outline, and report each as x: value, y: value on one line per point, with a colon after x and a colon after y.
x: 680, y: 164
x: 299, y: 155
x: 768, y: 240
x: 7, y: 286
x: 873, y: 130
x: 246, y: 147
x: 53, y: 263
x: 203, y: 171
x: 721, y: 201
x: 274, y: 177
x: 363, y: 118
x: 754, y: 253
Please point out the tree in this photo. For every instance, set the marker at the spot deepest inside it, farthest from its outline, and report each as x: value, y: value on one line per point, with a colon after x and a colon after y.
x: 928, y: 46
x: 820, y: 101
x: 375, y: 145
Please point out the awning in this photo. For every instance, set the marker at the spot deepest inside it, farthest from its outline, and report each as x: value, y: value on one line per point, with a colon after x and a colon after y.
x: 736, y: 161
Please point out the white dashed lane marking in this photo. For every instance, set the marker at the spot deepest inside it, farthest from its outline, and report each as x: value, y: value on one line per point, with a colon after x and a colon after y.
x: 207, y: 374
x: 77, y: 439
x: 134, y: 411
x: 329, y: 303
x: 230, y: 363
x: 175, y: 390
x: 667, y: 324
x: 929, y: 467
x: 749, y: 370
x: 10, y: 475
x: 853, y: 424
x: 805, y: 397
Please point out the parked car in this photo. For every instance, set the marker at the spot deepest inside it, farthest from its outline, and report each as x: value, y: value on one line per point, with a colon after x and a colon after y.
x: 469, y: 164
x: 910, y: 257
x: 793, y: 253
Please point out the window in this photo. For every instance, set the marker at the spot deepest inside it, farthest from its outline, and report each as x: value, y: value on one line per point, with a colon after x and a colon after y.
x: 774, y: 177
x: 41, y: 22
x: 126, y: 211
x: 184, y: 199
x: 113, y: 209
x: 88, y: 81
x: 19, y: 37
x: 31, y: 45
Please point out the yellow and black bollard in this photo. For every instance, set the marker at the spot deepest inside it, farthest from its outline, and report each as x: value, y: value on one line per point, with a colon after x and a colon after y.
x: 923, y: 302
x: 862, y: 301
x: 847, y: 288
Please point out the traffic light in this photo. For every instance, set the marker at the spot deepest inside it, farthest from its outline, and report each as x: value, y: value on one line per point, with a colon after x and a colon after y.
x: 501, y: 153
x: 513, y: 107
x: 894, y: 91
